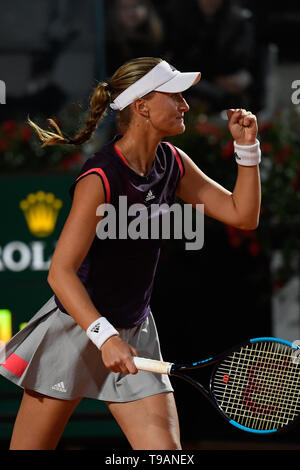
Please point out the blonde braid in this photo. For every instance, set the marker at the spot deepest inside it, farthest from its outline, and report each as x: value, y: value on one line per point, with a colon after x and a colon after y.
x: 125, y: 76
x: 98, y: 108
x: 98, y: 104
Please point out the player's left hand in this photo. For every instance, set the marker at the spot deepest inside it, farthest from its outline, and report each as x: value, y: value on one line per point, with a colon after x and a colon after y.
x: 243, y: 126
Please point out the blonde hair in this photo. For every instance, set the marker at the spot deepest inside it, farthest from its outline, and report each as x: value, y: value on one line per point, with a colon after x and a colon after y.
x: 102, y: 96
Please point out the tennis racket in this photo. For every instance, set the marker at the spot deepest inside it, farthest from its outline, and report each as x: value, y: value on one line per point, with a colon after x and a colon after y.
x: 255, y: 385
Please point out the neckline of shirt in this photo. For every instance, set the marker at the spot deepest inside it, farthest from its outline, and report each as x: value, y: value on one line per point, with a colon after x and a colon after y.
x: 123, y: 160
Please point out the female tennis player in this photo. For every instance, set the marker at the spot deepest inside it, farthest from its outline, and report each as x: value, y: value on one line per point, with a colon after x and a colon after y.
x: 81, y: 342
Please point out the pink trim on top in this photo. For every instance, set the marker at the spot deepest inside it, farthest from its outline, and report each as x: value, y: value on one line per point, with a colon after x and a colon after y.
x: 178, y: 159
x: 104, y: 178
x: 121, y: 155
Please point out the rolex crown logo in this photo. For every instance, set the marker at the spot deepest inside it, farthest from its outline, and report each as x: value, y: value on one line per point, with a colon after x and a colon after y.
x: 41, y: 210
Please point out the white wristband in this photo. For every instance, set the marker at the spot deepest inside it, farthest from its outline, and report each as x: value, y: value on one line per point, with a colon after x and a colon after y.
x: 100, y: 330
x: 247, y: 155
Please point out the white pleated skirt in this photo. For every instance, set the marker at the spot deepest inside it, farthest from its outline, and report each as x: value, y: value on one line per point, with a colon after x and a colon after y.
x: 52, y: 355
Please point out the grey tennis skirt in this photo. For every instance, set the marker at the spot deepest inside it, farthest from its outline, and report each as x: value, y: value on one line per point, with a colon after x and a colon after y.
x: 53, y: 356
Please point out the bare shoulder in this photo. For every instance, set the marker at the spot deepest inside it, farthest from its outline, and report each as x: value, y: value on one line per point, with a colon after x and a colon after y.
x: 89, y: 191
x: 80, y: 227
x: 82, y: 219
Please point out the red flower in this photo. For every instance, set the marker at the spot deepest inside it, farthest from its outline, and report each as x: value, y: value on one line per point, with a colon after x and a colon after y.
x: 237, y: 236
x: 26, y: 133
x: 10, y: 128
x: 266, y: 147
x: 296, y: 183
x: 70, y: 160
x: 281, y: 156
x: 233, y: 236
x: 254, y: 248
x: 228, y: 150
x: 265, y: 126
x: 3, y: 145
x: 77, y: 157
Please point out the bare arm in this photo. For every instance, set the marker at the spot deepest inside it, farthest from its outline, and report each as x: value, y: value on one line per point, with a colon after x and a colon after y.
x: 72, y: 247
x: 239, y: 208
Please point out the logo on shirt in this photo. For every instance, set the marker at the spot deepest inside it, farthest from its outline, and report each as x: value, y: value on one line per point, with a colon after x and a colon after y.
x: 149, y: 196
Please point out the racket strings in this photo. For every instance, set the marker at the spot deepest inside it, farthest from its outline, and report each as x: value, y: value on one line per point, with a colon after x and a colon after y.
x: 279, y: 409
x: 273, y: 406
x: 264, y: 379
x: 259, y: 386
x: 289, y: 399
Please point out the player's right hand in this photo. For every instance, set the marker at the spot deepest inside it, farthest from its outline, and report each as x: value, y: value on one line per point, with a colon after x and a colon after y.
x: 117, y: 355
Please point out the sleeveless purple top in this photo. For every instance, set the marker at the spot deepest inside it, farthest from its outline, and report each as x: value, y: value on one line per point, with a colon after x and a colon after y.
x: 119, y: 273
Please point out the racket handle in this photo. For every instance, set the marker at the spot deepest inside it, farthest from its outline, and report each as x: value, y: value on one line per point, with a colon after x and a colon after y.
x: 151, y: 365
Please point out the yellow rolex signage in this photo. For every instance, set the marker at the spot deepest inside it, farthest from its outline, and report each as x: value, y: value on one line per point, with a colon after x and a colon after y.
x: 34, y: 209
x: 41, y: 210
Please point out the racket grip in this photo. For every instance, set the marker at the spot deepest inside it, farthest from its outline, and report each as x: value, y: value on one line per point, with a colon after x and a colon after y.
x: 151, y: 365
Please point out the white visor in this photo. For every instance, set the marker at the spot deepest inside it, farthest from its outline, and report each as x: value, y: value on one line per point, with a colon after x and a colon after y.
x: 161, y: 78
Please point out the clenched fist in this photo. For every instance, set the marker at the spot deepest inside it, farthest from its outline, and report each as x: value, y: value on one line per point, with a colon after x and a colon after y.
x: 243, y: 126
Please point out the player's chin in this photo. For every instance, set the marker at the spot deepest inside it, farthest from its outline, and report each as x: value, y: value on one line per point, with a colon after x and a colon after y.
x: 179, y: 128
x: 180, y: 125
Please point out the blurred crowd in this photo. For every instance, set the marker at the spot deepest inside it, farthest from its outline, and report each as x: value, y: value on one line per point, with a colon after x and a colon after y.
x: 227, y: 40
x: 216, y: 37
x: 234, y: 43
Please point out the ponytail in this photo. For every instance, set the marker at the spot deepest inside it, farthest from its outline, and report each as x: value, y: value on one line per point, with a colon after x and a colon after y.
x: 98, y: 107
x: 103, y: 95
